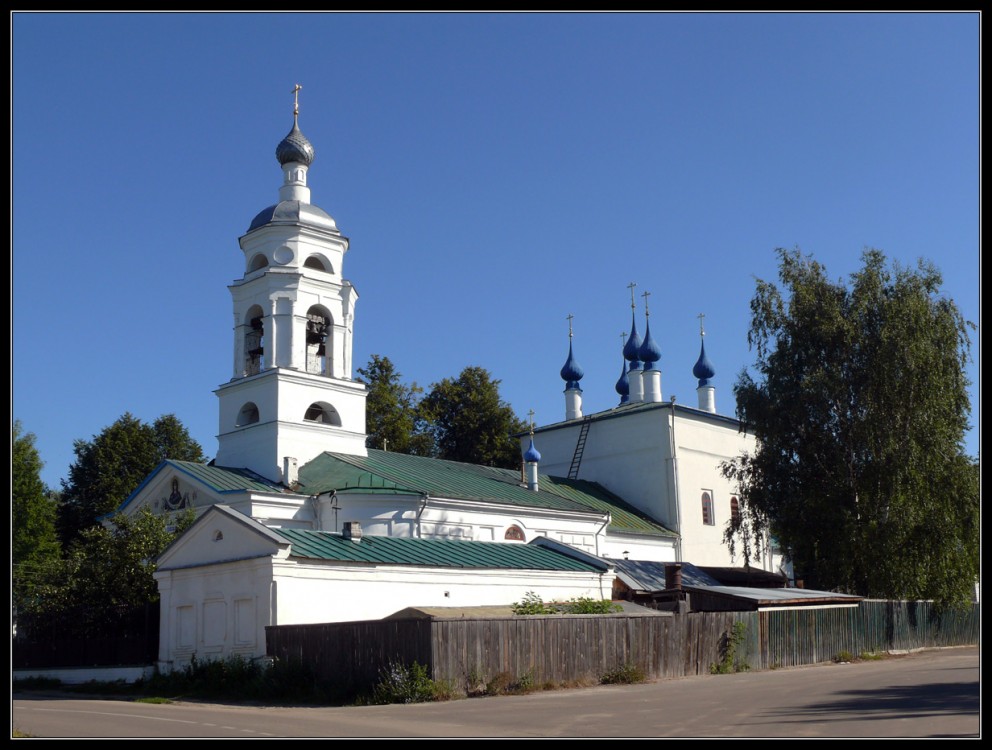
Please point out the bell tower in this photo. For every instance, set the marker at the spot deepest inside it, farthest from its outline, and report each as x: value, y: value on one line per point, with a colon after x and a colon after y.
x: 291, y: 395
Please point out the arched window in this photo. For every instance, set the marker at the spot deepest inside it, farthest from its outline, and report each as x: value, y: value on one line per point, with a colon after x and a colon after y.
x: 248, y: 415
x: 735, y: 510
x: 254, y: 343
x: 318, y: 333
x: 708, y: 509
x: 316, y: 263
x: 322, y: 414
x: 514, y: 534
x: 259, y: 261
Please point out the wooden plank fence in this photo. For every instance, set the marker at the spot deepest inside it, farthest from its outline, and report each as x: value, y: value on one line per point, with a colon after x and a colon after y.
x: 573, y: 648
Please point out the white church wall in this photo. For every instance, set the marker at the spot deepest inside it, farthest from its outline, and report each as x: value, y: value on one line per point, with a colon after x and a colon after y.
x: 625, y: 453
x: 702, y: 446
x: 393, y: 515
x: 215, y: 611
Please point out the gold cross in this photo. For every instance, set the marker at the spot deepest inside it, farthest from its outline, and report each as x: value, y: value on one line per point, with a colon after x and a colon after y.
x: 701, y: 331
x: 296, y: 100
x: 646, y: 295
x: 569, y: 319
x: 631, y: 286
x: 531, y: 415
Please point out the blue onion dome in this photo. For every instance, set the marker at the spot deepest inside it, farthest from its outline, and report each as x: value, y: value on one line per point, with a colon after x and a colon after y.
x: 571, y: 373
x: 650, y: 352
x: 295, y: 148
x: 632, y: 349
x: 623, y: 384
x: 703, y: 368
x: 532, y: 456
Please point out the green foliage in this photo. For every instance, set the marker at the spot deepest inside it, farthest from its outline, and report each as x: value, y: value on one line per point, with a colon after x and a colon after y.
x: 36, y: 683
x: 584, y: 605
x: 400, y: 683
x: 110, y: 467
x: 842, y: 657
x: 732, y: 642
x: 532, y: 604
x: 469, y: 422
x: 626, y: 674
x: 871, y: 656
x: 33, y: 541
x: 106, y: 568
x: 233, y: 678
x: 391, y: 410
x: 859, y: 408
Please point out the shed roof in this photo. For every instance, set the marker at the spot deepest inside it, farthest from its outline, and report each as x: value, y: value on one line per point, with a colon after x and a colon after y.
x: 649, y: 576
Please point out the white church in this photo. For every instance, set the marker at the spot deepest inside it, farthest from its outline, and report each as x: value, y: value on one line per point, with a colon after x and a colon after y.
x: 299, y: 522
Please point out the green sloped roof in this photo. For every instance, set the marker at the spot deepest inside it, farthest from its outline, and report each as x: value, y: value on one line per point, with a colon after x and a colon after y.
x: 221, y: 479
x: 385, y: 472
x: 624, y: 517
x: 225, y: 479
x: 435, y: 553
x: 382, y: 472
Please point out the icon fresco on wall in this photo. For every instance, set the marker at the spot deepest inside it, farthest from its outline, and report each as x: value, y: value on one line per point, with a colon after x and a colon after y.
x: 178, y: 500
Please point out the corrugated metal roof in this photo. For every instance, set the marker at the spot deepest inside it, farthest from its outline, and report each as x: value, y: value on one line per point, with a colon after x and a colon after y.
x: 648, y: 575
x: 644, y: 575
x: 435, y: 553
x: 395, y: 472
x: 225, y: 479
x: 218, y: 478
x: 382, y: 472
x: 623, y: 516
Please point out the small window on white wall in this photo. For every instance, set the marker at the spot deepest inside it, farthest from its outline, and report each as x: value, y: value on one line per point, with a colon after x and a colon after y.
x: 708, y: 508
x: 514, y: 534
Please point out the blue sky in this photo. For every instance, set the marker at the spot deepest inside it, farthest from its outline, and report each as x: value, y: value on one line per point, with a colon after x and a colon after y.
x: 494, y: 173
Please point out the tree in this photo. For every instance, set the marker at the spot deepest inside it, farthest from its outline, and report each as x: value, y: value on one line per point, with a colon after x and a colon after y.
x: 112, y: 465
x: 470, y: 422
x: 106, y: 570
x: 33, y: 540
x: 859, y: 410
x: 391, y: 410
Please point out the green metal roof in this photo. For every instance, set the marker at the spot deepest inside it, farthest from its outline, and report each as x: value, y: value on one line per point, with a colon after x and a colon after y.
x: 385, y: 472
x: 225, y: 479
x: 624, y: 517
x: 382, y: 472
x: 221, y: 479
x: 435, y: 553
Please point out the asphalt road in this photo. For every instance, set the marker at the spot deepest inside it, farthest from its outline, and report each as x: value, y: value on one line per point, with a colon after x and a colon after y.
x: 934, y: 693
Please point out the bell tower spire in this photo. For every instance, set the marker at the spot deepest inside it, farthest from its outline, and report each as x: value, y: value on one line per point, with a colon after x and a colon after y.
x: 291, y: 394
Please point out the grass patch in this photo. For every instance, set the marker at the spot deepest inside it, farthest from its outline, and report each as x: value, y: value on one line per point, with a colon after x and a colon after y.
x: 627, y: 674
x: 153, y: 699
x: 401, y: 683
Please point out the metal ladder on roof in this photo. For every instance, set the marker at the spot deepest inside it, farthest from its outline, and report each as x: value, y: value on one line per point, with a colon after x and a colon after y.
x: 580, y: 446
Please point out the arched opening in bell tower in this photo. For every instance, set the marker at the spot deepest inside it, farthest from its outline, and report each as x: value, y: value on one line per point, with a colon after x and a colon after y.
x: 254, y: 341
x: 322, y: 413
x: 318, y: 340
